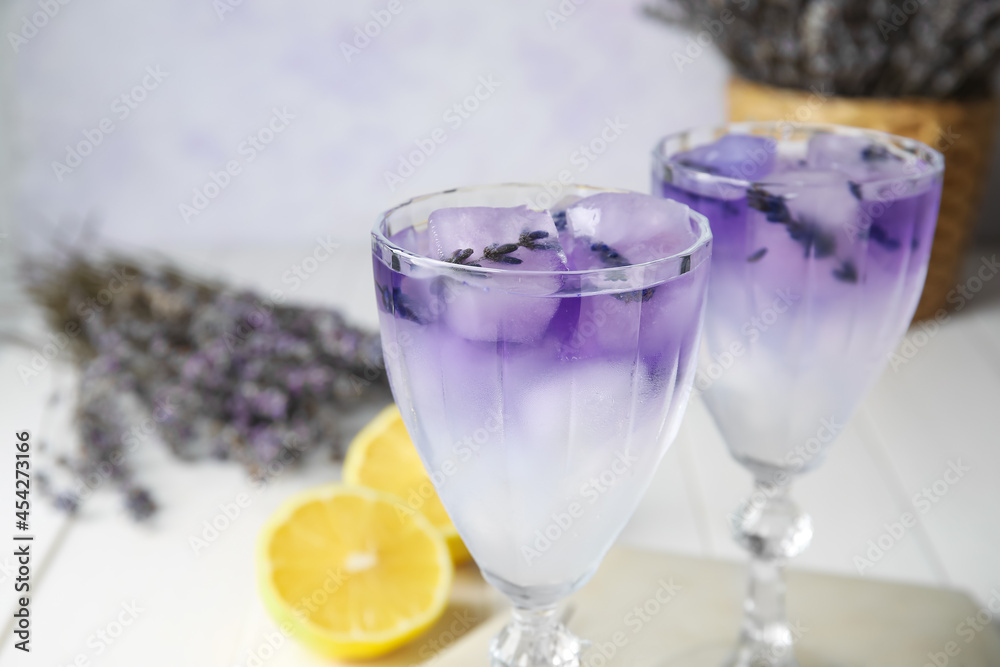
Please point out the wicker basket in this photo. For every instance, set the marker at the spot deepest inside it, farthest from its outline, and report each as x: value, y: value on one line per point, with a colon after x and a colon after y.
x: 963, y: 131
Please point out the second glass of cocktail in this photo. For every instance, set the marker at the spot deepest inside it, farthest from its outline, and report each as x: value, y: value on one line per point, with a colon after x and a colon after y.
x: 541, y: 354
x: 822, y: 240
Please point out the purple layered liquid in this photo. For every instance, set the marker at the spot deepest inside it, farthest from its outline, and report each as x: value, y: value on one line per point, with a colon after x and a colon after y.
x: 820, y: 252
x: 540, y: 396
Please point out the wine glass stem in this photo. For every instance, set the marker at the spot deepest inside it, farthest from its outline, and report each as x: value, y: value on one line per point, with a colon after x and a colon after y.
x: 535, y: 637
x: 773, y: 529
x: 765, y: 628
x: 534, y: 620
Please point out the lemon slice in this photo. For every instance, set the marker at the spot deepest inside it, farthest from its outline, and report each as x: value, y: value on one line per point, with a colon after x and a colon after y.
x: 349, y: 574
x: 382, y: 456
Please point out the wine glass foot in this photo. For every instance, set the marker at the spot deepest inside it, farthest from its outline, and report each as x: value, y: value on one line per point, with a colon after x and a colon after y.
x: 720, y: 653
x: 535, y: 638
x: 724, y: 654
x: 762, y: 656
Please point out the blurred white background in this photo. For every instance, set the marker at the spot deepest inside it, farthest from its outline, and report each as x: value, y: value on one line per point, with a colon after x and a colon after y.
x: 356, y: 104
x: 561, y: 71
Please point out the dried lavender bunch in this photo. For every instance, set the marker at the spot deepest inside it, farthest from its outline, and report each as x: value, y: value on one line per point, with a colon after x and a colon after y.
x: 212, y: 371
x: 871, y: 48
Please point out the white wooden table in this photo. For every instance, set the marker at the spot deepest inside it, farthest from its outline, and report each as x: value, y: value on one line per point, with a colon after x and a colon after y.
x: 109, y: 592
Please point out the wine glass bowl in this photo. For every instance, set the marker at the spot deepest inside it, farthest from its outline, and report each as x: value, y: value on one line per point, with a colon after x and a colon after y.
x: 540, y: 400
x: 822, y: 237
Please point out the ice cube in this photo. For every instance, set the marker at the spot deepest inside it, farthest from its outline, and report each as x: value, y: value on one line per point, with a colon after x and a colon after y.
x: 495, y: 307
x: 516, y: 238
x: 617, y: 229
x: 412, y: 239
x: 569, y: 407
x: 859, y: 158
x: 607, y: 327
x: 818, y: 207
x: 744, y: 156
x: 496, y: 314
x: 558, y: 213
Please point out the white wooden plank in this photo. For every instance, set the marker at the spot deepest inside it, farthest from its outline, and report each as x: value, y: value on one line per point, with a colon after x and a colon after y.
x: 938, y: 409
x: 201, y: 597
x: 915, y: 529
x: 720, y: 481
x: 846, y: 497
x: 696, y: 494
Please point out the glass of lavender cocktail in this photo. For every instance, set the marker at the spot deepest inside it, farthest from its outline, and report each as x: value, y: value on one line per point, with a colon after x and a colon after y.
x: 822, y: 239
x: 541, y: 354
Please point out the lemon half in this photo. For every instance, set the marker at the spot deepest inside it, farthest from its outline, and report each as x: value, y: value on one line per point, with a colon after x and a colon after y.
x: 350, y: 574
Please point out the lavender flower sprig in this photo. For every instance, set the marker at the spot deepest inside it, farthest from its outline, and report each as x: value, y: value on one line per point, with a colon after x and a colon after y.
x: 935, y: 48
x: 218, y: 372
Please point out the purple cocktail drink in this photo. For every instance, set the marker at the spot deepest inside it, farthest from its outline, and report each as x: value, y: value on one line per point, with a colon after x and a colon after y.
x: 822, y: 238
x: 821, y: 248
x: 541, y: 358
